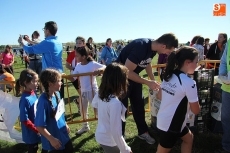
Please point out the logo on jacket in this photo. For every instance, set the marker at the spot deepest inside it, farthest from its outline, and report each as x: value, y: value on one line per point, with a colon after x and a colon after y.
x: 194, y: 86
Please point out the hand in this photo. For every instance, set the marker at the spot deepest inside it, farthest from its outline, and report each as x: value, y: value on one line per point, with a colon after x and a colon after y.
x: 55, y: 143
x: 3, y: 65
x: 97, y: 72
x: 152, y: 84
x: 67, y: 128
x: 27, y: 39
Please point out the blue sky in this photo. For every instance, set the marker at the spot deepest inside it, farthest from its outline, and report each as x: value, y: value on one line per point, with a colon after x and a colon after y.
x: 117, y: 19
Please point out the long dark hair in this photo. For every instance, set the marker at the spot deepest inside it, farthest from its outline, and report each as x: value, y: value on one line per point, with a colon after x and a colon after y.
x: 26, y: 76
x: 200, y: 41
x: 10, y: 47
x: 225, y: 36
x: 114, y: 81
x: 107, y: 40
x: 177, y: 58
x: 90, y: 38
x: 84, y: 51
x: 194, y: 39
x: 80, y: 38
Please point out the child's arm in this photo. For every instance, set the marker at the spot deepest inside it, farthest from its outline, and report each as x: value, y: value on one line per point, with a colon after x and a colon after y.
x: 30, y: 125
x: 41, y: 122
x: 70, y: 78
x: 195, y: 107
x: 24, y: 106
x: 98, y: 71
x: 53, y: 141
x: 99, y: 68
x: 191, y: 93
x: 115, y: 127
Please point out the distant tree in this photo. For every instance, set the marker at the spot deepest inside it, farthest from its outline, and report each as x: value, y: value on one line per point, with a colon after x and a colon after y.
x: 2, y: 47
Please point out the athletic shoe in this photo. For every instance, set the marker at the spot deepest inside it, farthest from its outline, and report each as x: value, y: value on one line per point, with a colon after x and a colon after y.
x: 147, y: 138
x: 83, y: 130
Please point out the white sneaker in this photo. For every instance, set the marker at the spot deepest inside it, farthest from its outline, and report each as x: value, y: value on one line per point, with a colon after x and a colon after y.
x: 147, y: 138
x: 83, y: 130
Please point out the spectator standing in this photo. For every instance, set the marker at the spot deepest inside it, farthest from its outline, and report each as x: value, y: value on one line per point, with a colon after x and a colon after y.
x: 35, y: 59
x: 194, y: 39
x: 199, y: 47
x: 91, y: 47
x: 50, y: 48
x: 206, y: 46
x: 7, y: 59
x: 216, y: 50
x: 108, y: 54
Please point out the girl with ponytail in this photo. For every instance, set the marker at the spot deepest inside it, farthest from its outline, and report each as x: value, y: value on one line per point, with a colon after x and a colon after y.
x: 178, y: 96
x: 88, y: 84
x: 27, y: 84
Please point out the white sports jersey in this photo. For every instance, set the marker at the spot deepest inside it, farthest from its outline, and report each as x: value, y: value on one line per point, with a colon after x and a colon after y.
x: 85, y: 81
x: 176, y: 93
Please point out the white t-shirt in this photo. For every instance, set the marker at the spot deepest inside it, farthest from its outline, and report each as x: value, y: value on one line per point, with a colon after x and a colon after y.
x: 109, y: 128
x: 85, y: 81
x: 200, y: 50
x: 174, y: 108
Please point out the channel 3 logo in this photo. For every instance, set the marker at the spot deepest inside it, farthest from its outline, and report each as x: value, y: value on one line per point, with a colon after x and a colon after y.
x: 219, y: 9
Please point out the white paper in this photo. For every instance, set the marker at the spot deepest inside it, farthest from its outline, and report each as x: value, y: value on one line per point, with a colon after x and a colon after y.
x: 9, y: 112
x: 60, y: 109
x: 35, y: 107
x: 154, y: 102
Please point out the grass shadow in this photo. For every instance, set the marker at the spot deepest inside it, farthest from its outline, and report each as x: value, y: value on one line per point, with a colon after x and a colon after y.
x: 74, y: 115
x: 20, y: 147
x: 83, y: 141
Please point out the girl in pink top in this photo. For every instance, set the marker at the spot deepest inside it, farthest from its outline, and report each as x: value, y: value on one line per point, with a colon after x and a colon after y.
x: 7, y: 59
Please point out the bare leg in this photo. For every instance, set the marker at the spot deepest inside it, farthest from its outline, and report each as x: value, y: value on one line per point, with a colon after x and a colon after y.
x: 161, y: 149
x: 186, y: 146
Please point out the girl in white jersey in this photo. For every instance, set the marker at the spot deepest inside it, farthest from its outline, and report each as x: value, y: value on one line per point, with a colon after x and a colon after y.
x: 178, y: 94
x: 88, y: 84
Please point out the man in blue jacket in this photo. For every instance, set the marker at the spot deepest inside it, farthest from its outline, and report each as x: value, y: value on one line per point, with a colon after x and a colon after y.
x: 50, y: 48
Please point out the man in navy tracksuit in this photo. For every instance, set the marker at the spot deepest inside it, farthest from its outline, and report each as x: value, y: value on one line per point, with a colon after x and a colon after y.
x: 137, y: 56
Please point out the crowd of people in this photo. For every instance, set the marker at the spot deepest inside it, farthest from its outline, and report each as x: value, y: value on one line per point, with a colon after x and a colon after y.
x: 40, y: 118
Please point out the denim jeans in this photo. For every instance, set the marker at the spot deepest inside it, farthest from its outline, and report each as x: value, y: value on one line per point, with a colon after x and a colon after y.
x: 36, y: 66
x: 225, y: 119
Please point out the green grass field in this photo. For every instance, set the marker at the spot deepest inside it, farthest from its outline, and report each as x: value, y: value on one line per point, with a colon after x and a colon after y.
x: 86, y: 143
